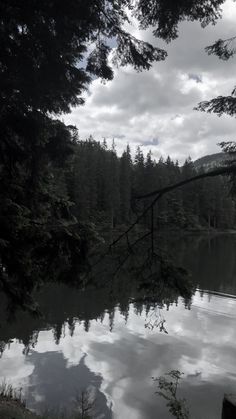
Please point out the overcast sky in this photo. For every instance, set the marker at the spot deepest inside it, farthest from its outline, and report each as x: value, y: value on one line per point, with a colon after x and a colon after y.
x: 154, y: 109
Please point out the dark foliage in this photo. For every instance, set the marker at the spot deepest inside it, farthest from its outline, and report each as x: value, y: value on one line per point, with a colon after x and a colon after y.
x: 230, y: 149
x: 103, y: 187
x: 45, y: 66
x: 167, y: 388
x: 223, y: 48
x: 166, y: 15
x: 220, y: 105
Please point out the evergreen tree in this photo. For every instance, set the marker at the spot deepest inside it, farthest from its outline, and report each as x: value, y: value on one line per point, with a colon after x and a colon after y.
x: 41, y: 44
x: 114, y: 186
x: 114, y: 182
x: 190, y: 194
x: 125, y: 185
x: 139, y: 172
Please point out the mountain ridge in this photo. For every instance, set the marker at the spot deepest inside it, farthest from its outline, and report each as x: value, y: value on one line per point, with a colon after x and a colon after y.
x: 211, y: 160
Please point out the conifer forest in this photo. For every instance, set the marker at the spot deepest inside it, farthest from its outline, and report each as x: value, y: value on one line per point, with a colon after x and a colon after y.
x: 117, y: 209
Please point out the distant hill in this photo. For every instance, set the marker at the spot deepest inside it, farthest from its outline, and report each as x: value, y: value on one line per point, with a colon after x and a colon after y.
x: 210, y: 161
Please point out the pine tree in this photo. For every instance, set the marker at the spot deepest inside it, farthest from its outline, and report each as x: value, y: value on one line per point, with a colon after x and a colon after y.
x: 42, y: 43
x: 125, y: 185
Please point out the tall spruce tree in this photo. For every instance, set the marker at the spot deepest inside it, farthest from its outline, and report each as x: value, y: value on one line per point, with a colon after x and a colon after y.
x: 125, y: 185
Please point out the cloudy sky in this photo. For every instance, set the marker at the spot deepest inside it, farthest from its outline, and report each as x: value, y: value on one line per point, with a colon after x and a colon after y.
x: 154, y: 109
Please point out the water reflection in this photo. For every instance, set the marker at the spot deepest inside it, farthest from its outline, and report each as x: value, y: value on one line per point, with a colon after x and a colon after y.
x: 99, y: 341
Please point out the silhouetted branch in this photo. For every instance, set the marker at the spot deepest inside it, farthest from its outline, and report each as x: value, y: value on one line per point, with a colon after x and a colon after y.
x: 144, y: 236
x: 223, y: 48
x: 131, y: 226
x: 121, y: 264
x: 220, y: 105
x: 225, y: 170
x: 160, y: 192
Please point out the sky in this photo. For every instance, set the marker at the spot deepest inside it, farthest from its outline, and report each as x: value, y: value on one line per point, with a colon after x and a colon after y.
x: 155, y: 109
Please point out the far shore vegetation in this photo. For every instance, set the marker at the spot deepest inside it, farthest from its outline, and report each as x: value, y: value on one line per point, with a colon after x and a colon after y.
x: 13, y: 406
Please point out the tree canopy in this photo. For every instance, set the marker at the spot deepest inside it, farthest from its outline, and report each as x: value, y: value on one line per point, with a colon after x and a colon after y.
x: 49, y: 52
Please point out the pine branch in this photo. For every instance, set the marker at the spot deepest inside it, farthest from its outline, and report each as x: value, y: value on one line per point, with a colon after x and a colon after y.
x: 223, y: 48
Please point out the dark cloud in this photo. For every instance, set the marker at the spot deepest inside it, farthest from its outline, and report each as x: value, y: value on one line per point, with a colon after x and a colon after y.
x: 195, y: 77
x: 150, y: 142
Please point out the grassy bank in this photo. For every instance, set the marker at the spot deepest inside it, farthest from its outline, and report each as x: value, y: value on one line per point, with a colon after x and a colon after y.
x: 10, y: 409
x: 12, y: 406
x: 14, y: 409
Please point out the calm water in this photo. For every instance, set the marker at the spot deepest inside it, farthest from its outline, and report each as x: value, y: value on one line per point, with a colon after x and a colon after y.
x: 104, y: 343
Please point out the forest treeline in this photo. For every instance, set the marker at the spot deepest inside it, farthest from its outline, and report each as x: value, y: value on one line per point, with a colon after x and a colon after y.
x: 103, y: 186
x: 43, y: 184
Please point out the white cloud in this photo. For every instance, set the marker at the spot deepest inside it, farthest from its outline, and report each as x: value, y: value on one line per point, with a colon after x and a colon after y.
x: 137, y: 107
x: 15, y: 369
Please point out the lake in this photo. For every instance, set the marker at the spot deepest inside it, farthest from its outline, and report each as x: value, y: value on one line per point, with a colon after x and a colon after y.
x: 111, y: 346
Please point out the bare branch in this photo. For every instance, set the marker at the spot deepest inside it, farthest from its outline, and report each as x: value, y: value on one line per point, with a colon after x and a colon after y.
x: 225, y: 170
